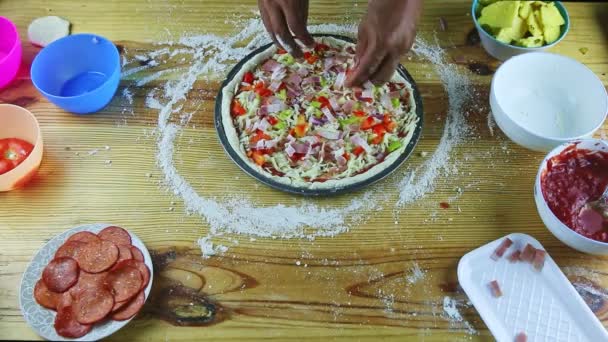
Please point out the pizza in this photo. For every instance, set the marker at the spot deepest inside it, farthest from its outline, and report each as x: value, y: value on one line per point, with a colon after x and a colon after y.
x: 294, y: 120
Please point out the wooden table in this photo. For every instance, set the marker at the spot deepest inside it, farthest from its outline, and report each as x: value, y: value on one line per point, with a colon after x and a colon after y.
x: 351, y: 287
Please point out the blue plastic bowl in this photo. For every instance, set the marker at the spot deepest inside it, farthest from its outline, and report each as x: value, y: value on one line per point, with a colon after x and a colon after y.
x: 78, y: 73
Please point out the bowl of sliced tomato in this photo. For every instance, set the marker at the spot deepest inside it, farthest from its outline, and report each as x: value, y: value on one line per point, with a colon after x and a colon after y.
x: 20, y: 146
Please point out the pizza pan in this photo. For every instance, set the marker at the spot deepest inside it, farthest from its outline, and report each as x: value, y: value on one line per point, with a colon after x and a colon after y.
x: 219, y: 126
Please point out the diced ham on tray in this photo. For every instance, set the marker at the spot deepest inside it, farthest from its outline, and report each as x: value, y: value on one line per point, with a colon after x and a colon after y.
x: 527, y: 254
x: 93, y: 278
x: 501, y: 249
x: 539, y: 259
x: 495, y: 289
x: 515, y: 256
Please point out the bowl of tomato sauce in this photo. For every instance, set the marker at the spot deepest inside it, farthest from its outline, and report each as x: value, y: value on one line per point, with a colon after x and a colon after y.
x: 20, y: 146
x: 570, y: 177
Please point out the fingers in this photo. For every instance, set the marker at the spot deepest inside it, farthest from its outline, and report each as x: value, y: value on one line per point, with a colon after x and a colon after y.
x: 367, y: 64
x: 386, y: 69
x: 266, y: 21
x: 281, y: 30
x: 297, y: 19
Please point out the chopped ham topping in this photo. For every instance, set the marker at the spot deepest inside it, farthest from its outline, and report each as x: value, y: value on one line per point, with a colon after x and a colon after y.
x: 539, y: 259
x: 495, y: 289
x: 528, y: 254
x: 501, y: 249
x: 515, y: 256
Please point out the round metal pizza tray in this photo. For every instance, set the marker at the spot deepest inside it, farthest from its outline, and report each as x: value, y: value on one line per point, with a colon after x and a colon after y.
x: 219, y: 126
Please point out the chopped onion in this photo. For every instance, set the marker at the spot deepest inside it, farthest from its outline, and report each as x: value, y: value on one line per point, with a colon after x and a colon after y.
x: 367, y: 93
x: 329, y: 63
x: 290, y: 150
x: 271, y: 65
x: 303, y: 71
x: 275, y: 107
x: 339, y: 82
x: 278, y: 74
x: 347, y: 107
x: 357, y: 140
x: 294, y: 79
x: 328, y: 114
x: 301, y: 148
x: 263, y: 110
x: 385, y: 100
x: 262, y: 124
x: 327, y: 134
x: 274, y: 86
x: 368, y: 85
x: 270, y: 143
x: 341, y: 160
x: 260, y: 144
x: 334, y: 104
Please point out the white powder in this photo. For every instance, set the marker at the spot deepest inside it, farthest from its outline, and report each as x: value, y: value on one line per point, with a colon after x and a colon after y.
x: 93, y: 152
x: 415, y: 274
x: 421, y: 181
x: 451, y: 313
x: 491, y: 123
x: 212, y: 56
x: 128, y: 95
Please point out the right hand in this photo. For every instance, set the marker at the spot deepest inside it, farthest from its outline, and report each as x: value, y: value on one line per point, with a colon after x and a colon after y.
x: 282, y: 16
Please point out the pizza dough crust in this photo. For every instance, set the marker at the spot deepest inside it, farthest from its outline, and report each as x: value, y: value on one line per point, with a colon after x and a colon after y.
x: 232, y: 135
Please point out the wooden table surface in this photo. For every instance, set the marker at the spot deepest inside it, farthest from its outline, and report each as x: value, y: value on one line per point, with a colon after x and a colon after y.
x: 354, y: 286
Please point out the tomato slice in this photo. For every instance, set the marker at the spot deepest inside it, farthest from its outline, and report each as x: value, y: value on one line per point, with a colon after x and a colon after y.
x: 272, y: 120
x: 248, y: 77
x: 324, y: 101
x: 368, y: 123
x: 310, y: 58
x: 238, y: 109
x: 13, y: 151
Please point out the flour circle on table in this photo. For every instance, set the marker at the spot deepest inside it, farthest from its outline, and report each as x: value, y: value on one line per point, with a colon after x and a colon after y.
x: 42, y: 319
x: 45, y: 30
x: 230, y: 138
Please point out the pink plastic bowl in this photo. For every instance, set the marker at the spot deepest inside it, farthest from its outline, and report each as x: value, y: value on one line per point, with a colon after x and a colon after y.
x: 10, y: 51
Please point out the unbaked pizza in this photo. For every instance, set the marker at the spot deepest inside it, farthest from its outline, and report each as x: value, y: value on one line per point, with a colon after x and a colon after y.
x: 296, y: 122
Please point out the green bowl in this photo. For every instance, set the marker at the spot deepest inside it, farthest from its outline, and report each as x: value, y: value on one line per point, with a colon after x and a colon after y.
x: 502, y: 51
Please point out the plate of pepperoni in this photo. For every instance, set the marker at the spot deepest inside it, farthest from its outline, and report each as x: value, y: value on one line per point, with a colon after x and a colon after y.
x: 86, y: 283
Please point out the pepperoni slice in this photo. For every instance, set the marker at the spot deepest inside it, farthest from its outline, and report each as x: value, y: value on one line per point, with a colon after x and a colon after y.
x: 137, y: 254
x: 143, y: 269
x: 124, y: 282
x: 68, y: 249
x: 64, y: 300
x: 84, y: 237
x: 119, y: 305
x: 95, y: 257
x: 60, y: 274
x: 124, y: 253
x: 130, y: 309
x: 44, y: 296
x: 115, y: 234
x: 67, y: 326
x: 87, y: 281
x: 93, y: 305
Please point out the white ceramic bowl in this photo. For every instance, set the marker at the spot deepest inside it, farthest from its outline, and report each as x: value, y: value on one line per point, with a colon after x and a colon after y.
x: 541, y: 100
x: 559, y: 229
x: 502, y: 51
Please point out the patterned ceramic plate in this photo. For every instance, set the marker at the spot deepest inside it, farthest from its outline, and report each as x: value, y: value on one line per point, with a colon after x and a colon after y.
x: 42, y: 319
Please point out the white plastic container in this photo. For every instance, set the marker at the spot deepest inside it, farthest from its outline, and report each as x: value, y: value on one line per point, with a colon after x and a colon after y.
x: 541, y: 100
x: 559, y: 229
x: 543, y: 305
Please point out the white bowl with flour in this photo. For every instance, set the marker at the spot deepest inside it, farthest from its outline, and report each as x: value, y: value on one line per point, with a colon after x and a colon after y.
x: 541, y: 100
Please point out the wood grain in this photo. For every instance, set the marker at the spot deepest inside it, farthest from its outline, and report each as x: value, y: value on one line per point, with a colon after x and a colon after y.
x: 351, y: 287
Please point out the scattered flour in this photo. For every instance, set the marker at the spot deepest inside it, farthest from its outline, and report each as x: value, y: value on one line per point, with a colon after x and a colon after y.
x: 93, y: 152
x: 212, y: 56
x: 128, y: 95
x: 415, y: 274
x: 451, y: 313
x: 491, y: 123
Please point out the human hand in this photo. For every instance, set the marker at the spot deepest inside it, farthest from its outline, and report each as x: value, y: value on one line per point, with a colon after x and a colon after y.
x: 386, y: 33
x: 284, y: 17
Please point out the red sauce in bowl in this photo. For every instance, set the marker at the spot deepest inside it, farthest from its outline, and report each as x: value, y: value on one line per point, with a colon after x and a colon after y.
x: 572, y: 179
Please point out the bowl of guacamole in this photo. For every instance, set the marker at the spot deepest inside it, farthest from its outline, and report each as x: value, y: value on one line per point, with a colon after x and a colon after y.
x: 509, y: 28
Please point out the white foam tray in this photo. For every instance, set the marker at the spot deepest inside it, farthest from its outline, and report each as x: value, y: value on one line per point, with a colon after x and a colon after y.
x: 543, y: 305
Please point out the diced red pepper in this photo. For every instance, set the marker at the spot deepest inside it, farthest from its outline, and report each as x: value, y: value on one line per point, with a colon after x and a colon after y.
x: 368, y: 123
x: 248, y: 77
x: 391, y: 126
x: 377, y: 139
x: 359, y: 113
x: 261, y: 89
x: 324, y: 101
x: 238, y: 109
x: 272, y: 120
x: 300, y: 130
x: 358, y: 150
x: 282, y: 86
x: 346, y: 156
x: 258, y: 158
x: 281, y: 51
x: 379, y: 129
x: 259, y: 135
x: 310, y: 58
x: 320, y: 47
